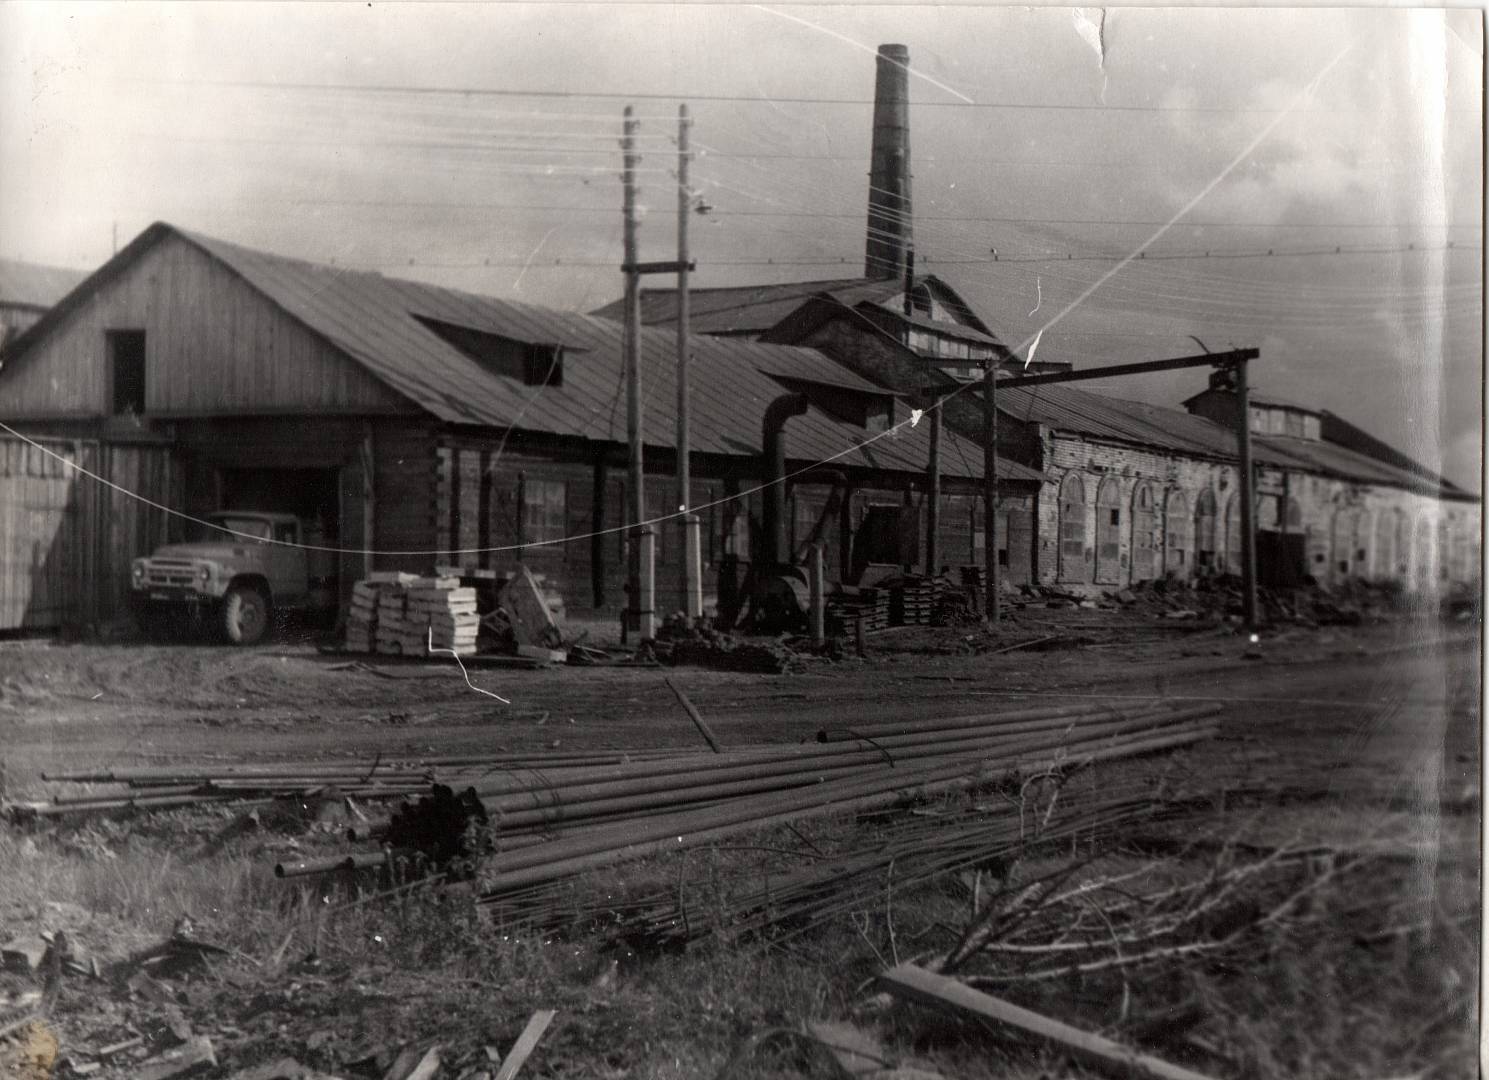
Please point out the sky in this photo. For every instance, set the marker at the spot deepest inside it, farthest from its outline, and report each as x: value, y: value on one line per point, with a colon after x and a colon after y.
x: 477, y: 146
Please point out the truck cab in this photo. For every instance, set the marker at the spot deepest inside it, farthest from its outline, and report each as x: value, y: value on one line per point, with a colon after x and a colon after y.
x: 239, y: 567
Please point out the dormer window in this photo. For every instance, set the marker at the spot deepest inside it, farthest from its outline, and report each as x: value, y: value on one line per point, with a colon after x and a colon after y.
x: 920, y: 300
x: 535, y: 363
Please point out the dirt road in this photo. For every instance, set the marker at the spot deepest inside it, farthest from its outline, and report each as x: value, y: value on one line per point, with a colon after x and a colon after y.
x: 1368, y: 714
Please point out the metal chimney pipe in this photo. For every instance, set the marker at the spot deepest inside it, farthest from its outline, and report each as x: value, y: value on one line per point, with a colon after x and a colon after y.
x: 773, y: 440
x: 889, y: 171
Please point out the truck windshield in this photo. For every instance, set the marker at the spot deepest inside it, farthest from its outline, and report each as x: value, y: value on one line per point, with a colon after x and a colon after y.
x: 242, y: 526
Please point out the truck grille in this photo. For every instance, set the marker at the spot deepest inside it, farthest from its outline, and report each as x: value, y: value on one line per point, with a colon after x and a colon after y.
x: 169, y: 572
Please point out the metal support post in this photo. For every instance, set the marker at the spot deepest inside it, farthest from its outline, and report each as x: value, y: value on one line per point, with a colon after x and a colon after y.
x: 990, y: 487
x: 1248, y: 499
x: 933, y: 492
x: 818, y: 595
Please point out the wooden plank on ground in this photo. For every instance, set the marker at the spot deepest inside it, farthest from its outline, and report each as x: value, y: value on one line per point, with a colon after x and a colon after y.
x: 525, y: 1044
x: 916, y: 984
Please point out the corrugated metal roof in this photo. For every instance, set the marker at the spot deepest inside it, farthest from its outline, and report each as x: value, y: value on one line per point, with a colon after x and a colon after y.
x: 747, y: 309
x: 371, y: 318
x: 936, y: 326
x: 34, y: 285
x: 1064, y: 408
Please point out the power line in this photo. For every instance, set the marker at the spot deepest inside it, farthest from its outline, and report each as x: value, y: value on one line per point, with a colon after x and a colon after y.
x: 715, y: 212
x: 563, y: 263
x: 616, y: 95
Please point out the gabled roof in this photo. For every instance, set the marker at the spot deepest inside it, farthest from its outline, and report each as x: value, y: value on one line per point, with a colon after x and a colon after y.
x: 375, y: 321
x: 1264, y: 400
x: 32, y: 285
x: 1337, y: 433
x: 754, y: 309
x: 935, y: 326
x: 1081, y: 412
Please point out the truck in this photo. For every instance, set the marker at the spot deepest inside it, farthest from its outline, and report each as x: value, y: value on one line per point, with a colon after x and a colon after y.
x: 236, y: 570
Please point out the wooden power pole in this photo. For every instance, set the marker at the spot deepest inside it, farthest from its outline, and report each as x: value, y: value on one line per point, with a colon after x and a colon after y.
x: 641, y: 582
x: 692, y: 553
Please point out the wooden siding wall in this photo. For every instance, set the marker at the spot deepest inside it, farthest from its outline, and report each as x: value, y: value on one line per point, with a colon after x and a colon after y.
x: 66, y: 541
x: 476, y: 519
x: 212, y: 345
x: 405, y: 496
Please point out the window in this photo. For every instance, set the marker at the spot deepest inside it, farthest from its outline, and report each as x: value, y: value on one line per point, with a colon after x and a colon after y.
x: 127, y: 370
x: 543, y: 365
x: 1204, y: 529
x: 1072, y: 528
x: 545, y: 507
x: 284, y: 532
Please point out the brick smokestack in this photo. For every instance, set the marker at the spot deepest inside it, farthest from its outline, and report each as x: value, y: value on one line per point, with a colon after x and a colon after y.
x: 889, y: 237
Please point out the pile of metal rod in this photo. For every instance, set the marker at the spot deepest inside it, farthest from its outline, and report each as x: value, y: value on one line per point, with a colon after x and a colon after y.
x: 911, y: 852
x: 597, y: 817
x: 167, y: 787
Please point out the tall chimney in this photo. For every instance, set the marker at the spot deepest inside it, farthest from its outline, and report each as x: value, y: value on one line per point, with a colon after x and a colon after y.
x: 889, y: 173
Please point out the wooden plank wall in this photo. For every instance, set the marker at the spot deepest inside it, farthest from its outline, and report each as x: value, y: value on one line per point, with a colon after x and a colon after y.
x: 212, y: 345
x: 66, y: 541
x: 38, y: 530
x: 406, y: 497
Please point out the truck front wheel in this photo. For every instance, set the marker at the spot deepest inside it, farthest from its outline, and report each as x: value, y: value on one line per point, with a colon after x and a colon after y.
x: 245, y: 615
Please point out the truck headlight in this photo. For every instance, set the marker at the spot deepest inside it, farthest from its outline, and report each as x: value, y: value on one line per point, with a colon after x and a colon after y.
x: 138, y: 571
x: 205, y: 573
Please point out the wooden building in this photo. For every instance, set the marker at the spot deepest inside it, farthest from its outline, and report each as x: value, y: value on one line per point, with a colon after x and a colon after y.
x: 414, y: 425
x: 27, y: 290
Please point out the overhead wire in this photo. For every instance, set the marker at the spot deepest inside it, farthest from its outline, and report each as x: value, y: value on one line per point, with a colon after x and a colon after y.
x: 1138, y: 254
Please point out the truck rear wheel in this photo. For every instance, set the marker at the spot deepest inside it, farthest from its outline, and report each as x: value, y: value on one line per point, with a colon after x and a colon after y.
x: 245, y: 615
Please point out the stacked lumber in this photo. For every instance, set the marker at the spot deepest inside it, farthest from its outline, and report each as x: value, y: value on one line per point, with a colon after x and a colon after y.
x: 911, y: 602
x: 394, y: 635
x: 442, y: 614
x: 362, y: 616
x: 853, y: 606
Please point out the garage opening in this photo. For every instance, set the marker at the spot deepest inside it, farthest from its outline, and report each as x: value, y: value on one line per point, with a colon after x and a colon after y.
x: 312, y: 495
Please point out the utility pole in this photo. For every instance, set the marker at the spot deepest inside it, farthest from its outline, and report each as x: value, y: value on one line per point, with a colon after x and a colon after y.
x: 933, y: 485
x: 640, y: 572
x: 692, y: 554
x: 990, y: 486
x: 1248, y: 497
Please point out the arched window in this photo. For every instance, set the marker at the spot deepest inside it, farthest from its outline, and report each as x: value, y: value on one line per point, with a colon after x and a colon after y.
x: 1233, y: 535
x: 1178, y: 547
x: 1403, y: 547
x: 1073, y: 565
x: 1383, y: 565
x: 1423, y: 552
x: 1343, y: 544
x: 1109, y: 531
x: 1205, y: 549
x: 1360, y: 555
x: 1145, y: 533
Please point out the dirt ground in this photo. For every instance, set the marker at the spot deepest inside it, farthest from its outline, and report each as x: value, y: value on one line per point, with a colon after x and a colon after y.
x: 1362, y: 739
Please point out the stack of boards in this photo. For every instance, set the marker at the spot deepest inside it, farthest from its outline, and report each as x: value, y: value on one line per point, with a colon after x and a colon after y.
x: 403, y: 614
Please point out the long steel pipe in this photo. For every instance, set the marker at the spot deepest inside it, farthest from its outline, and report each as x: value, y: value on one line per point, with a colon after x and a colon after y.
x: 672, y: 832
